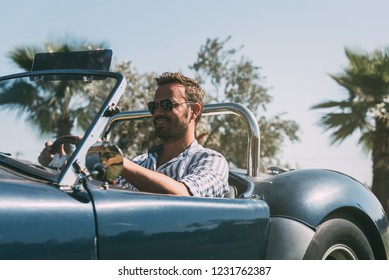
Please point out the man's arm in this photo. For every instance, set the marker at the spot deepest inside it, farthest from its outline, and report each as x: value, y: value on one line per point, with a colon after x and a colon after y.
x: 208, y: 175
x: 151, y: 181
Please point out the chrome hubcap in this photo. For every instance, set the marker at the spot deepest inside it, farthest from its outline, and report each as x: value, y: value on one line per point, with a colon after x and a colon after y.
x: 340, y: 252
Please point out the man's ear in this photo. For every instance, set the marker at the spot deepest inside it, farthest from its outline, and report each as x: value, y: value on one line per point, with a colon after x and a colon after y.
x: 196, y: 109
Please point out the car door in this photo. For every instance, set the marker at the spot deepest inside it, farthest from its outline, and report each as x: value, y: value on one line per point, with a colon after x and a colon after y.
x: 136, y: 225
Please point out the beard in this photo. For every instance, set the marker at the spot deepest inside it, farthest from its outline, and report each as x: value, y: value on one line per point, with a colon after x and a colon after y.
x: 173, y: 129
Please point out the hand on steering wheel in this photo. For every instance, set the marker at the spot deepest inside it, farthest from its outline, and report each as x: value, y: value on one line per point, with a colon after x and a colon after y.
x: 54, y: 155
x: 58, y: 144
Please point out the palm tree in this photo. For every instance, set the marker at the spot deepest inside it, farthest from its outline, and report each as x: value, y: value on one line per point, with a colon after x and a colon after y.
x: 50, y: 112
x: 365, y: 110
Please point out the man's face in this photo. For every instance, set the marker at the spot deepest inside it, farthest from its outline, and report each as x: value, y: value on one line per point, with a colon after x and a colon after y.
x: 171, y: 125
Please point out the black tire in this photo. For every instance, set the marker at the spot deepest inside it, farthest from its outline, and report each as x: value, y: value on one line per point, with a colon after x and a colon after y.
x: 339, y: 239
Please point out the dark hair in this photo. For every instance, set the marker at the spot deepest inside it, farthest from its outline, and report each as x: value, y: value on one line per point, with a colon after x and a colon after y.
x: 193, y: 91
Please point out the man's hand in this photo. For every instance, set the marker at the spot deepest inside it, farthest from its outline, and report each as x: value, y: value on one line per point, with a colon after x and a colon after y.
x: 49, y: 160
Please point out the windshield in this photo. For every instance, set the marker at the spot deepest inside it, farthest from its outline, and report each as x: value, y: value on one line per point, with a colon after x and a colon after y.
x: 35, y: 109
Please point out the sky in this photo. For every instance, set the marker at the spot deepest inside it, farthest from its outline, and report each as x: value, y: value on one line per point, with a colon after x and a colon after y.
x: 296, y: 44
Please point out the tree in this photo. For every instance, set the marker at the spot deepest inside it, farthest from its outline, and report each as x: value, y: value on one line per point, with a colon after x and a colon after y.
x: 364, y: 110
x: 230, y: 80
x: 48, y: 112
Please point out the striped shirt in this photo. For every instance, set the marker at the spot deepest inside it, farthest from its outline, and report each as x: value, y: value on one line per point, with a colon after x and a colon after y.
x: 203, y: 171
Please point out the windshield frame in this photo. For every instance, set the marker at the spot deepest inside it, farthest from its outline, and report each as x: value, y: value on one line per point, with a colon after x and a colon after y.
x: 69, y: 175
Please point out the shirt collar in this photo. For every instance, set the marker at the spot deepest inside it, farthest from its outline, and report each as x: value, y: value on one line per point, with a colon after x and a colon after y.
x: 153, y: 152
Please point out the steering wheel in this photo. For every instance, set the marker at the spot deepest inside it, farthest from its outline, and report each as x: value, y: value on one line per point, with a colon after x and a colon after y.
x: 70, y: 139
x: 59, y: 160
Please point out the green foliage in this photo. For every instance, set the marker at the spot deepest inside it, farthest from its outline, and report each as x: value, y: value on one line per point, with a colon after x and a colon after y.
x: 227, y: 78
x: 23, y: 55
x: 47, y: 106
x: 366, y: 84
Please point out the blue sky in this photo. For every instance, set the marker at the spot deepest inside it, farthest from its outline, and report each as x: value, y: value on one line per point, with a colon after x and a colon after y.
x: 296, y: 44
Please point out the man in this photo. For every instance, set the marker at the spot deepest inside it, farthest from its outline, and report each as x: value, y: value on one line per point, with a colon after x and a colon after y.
x: 180, y: 166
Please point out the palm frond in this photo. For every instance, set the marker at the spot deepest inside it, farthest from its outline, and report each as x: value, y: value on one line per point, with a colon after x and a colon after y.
x: 44, y: 105
x: 70, y: 42
x: 342, y: 125
x: 332, y: 104
x: 19, y: 96
x: 23, y: 55
x: 366, y: 142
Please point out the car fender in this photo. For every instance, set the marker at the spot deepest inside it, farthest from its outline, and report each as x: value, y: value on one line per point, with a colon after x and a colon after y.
x: 313, y: 195
x: 288, y: 239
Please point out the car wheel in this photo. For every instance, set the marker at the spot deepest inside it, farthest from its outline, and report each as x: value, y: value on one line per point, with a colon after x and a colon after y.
x: 339, y: 239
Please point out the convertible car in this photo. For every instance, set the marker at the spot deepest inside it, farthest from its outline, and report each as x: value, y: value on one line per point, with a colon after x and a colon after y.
x: 71, y: 209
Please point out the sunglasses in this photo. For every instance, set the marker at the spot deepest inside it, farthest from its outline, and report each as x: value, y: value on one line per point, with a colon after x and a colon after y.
x: 166, y: 104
